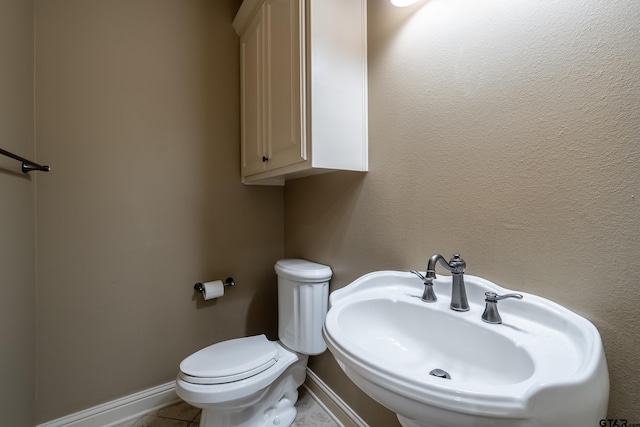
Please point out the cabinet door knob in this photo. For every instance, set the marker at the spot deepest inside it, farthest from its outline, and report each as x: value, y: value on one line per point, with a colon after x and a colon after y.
x: 265, y: 159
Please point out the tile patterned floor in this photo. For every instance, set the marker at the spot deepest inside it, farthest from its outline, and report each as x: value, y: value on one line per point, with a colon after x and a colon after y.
x: 310, y: 414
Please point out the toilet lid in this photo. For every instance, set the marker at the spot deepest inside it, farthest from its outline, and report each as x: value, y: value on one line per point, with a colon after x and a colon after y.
x: 229, y: 361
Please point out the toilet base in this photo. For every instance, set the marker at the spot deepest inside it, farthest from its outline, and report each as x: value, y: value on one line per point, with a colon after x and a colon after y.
x: 273, y: 405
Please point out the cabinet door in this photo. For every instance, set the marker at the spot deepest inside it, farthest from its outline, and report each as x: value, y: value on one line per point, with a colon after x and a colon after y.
x: 284, y: 79
x: 252, y: 96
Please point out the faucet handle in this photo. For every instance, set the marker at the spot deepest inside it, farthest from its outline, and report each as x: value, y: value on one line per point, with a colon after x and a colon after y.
x: 493, y: 297
x: 429, y: 294
x: 417, y: 273
x: 491, y: 314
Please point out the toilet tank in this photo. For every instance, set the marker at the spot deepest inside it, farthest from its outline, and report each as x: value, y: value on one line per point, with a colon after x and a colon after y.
x: 303, y: 296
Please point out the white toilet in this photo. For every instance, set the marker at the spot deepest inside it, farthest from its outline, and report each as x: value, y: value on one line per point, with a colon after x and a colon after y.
x: 252, y: 381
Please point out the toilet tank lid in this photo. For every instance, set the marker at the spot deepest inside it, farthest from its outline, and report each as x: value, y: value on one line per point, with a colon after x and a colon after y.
x: 301, y: 270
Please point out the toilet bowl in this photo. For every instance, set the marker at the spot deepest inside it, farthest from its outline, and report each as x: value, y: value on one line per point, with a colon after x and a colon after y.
x: 260, y: 389
x: 252, y: 381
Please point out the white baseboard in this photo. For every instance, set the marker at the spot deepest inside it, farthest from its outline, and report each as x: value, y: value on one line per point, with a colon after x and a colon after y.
x: 120, y: 410
x: 136, y: 405
x: 331, y: 402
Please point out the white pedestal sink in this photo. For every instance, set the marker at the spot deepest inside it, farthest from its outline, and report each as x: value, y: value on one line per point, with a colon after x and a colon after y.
x: 544, y: 366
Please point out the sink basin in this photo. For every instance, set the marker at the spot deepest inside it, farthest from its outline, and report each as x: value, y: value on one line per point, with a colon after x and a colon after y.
x: 543, y: 366
x: 397, y: 336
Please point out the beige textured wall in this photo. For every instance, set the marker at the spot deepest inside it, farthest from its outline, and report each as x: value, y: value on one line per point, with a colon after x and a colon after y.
x: 138, y: 115
x: 509, y: 132
x: 17, y: 225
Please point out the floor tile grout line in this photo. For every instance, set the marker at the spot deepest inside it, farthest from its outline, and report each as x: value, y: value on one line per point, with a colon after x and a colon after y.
x: 164, y: 417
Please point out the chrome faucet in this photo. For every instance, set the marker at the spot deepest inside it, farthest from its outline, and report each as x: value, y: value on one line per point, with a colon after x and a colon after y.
x: 456, y: 266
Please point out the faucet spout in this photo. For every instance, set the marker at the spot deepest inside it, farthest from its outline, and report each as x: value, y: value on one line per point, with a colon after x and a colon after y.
x: 431, y: 265
x: 456, y: 266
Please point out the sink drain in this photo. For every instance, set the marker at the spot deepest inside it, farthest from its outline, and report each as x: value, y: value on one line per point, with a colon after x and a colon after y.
x: 440, y: 374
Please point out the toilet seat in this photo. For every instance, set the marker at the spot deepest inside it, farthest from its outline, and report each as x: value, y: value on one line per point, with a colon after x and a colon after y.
x: 229, y: 361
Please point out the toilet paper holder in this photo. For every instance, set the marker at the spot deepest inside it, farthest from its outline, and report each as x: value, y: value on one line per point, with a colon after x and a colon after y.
x: 199, y: 287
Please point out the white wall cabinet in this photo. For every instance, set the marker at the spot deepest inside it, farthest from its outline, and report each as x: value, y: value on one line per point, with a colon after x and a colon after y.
x: 303, y: 67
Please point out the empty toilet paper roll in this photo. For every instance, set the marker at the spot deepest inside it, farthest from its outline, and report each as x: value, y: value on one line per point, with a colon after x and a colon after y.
x: 214, y: 289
